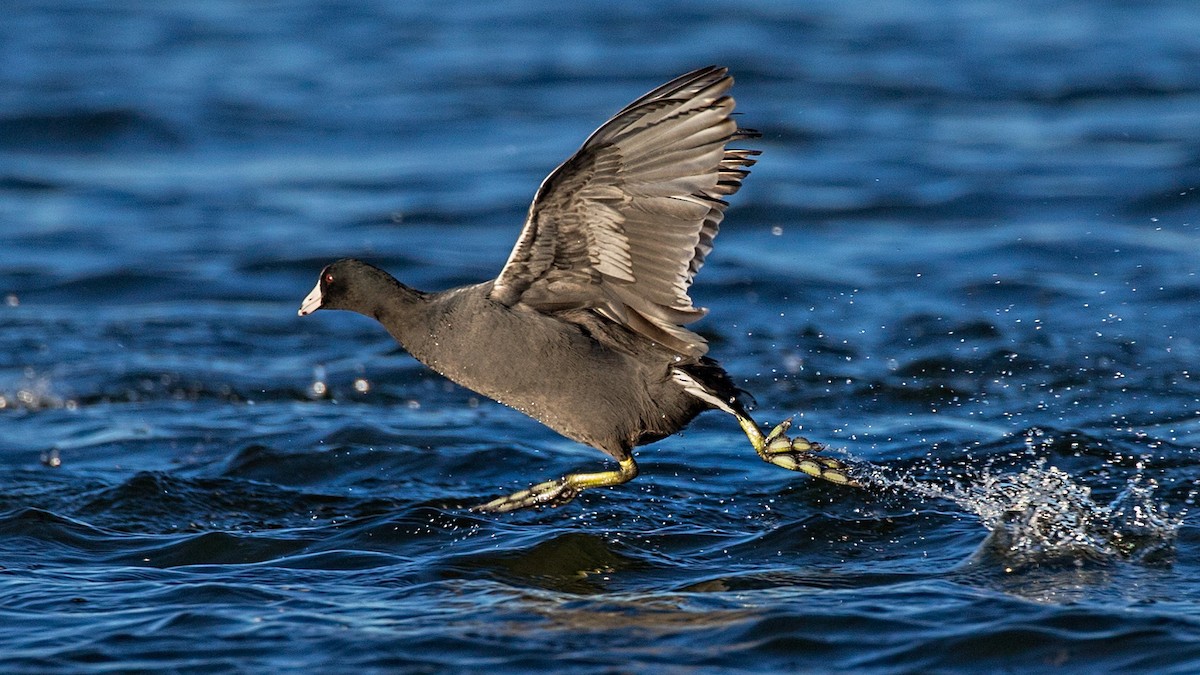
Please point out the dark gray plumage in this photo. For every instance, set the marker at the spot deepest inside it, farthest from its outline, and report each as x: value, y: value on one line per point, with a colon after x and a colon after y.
x: 583, y: 329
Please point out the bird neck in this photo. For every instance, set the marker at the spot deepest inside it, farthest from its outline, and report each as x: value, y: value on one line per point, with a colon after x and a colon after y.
x: 403, y: 312
x: 431, y: 326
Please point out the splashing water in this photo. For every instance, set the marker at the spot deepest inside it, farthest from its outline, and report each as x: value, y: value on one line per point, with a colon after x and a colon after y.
x: 1043, y: 514
x: 33, y: 392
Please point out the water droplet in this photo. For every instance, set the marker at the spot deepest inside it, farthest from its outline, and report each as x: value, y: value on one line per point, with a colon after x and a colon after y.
x: 318, y: 388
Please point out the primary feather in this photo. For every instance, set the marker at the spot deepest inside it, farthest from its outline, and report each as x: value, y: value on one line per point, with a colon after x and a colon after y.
x: 624, y: 225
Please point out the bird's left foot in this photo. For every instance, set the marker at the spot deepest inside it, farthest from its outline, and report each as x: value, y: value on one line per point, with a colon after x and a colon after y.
x: 561, y: 491
x: 550, y: 493
x: 800, y: 454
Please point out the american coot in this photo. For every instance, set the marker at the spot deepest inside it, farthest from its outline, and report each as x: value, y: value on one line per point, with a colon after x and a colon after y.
x: 583, y: 329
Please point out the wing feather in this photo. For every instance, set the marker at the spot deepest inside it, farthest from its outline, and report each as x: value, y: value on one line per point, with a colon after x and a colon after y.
x: 624, y: 225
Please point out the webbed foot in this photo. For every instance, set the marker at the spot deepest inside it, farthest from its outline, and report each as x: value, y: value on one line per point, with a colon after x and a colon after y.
x: 550, y: 493
x: 797, y: 454
x: 561, y: 491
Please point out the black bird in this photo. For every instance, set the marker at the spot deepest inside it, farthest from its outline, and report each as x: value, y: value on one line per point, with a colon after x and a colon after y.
x: 583, y: 330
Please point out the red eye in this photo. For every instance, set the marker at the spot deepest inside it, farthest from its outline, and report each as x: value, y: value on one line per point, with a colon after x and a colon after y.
x: 329, y: 277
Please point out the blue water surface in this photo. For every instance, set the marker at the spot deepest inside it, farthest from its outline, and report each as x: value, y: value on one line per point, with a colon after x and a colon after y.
x: 967, y: 259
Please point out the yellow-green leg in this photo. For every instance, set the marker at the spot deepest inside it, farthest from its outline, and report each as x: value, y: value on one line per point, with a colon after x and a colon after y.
x: 795, y: 454
x: 563, y: 490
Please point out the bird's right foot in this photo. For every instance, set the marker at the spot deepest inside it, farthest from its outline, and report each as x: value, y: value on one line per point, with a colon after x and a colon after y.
x: 796, y: 454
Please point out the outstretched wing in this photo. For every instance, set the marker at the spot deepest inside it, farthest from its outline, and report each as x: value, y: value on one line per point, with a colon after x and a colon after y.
x: 623, y: 226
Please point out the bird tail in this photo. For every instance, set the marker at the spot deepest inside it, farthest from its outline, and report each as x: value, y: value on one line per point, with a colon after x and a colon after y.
x: 716, y: 383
